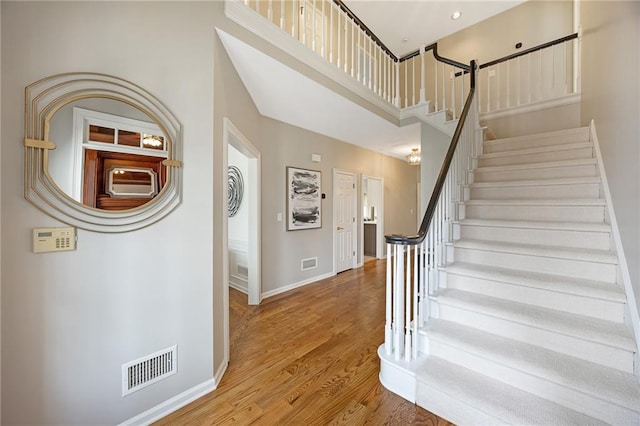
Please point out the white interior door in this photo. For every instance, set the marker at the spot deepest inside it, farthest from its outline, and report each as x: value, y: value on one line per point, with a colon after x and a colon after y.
x: 344, y: 190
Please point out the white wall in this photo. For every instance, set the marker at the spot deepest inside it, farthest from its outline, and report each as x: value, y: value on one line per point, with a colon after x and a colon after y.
x: 239, y: 224
x: 71, y: 319
x: 610, y: 96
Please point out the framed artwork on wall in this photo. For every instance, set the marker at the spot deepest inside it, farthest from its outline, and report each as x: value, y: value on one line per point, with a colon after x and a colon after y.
x: 304, y: 199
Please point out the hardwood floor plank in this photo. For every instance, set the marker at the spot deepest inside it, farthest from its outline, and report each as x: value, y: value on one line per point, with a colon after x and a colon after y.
x: 307, y: 357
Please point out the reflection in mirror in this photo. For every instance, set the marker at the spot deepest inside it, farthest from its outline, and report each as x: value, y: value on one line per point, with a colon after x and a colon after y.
x: 89, y: 132
x: 131, y: 182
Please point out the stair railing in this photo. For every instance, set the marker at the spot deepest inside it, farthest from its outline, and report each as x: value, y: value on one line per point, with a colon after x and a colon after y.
x: 540, y: 73
x: 414, y: 263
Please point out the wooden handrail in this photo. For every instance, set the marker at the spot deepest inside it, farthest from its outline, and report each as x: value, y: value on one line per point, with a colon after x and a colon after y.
x: 530, y: 50
x: 431, y: 208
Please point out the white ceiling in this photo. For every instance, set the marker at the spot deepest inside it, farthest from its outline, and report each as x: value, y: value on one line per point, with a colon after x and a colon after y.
x: 421, y: 21
x: 288, y: 96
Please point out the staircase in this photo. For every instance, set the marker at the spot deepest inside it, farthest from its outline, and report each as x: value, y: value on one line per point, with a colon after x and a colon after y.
x: 530, y: 326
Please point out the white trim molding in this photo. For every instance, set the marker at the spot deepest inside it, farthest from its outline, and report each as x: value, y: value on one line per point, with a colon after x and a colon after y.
x: 573, y: 98
x: 286, y: 288
x: 173, y: 404
x: 615, y: 233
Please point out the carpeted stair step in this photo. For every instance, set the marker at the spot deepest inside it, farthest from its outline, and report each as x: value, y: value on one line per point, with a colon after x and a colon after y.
x: 605, y: 301
x: 603, y: 342
x: 607, y: 394
x: 595, y: 236
x: 597, y: 265
x: 463, y: 396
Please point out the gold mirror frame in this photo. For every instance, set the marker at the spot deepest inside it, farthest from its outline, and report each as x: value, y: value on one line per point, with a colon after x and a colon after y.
x: 43, y: 98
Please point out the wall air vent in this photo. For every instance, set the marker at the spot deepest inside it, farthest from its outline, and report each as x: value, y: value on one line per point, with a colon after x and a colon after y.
x: 149, y: 369
x: 242, y: 270
x: 310, y: 263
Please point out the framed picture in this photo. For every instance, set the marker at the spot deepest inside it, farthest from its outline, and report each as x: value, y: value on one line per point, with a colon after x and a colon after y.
x: 304, y: 199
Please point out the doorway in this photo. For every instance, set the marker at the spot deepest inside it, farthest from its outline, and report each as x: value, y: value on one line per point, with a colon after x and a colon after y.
x: 372, y: 242
x: 243, y: 263
x: 344, y: 220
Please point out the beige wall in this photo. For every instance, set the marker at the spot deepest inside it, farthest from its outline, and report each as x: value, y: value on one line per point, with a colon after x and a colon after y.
x: 611, y: 97
x: 284, y: 145
x: 531, y: 23
x: 71, y: 319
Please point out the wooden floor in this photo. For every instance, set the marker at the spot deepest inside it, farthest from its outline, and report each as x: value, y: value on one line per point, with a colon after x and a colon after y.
x: 307, y: 357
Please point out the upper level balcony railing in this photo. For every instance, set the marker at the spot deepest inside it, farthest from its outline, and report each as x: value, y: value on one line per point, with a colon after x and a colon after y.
x: 422, y: 78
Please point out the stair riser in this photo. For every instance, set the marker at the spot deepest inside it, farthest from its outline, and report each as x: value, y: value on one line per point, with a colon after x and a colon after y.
x: 582, y: 269
x: 586, y: 190
x: 535, y: 142
x: 535, y: 335
x: 547, y: 237
x: 573, y: 399
x: 571, y: 303
x: 538, y: 157
x: 587, y: 170
x: 572, y: 213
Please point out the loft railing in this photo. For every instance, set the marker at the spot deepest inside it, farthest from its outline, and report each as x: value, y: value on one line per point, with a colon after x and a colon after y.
x: 544, y: 72
x: 414, y: 262
x: 423, y: 78
x: 332, y: 31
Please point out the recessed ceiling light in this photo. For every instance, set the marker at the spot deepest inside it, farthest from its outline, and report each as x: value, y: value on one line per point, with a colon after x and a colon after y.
x: 456, y: 15
x: 404, y: 40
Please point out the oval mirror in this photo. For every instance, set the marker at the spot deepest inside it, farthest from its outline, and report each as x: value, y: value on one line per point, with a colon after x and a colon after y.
x: 101, y: 153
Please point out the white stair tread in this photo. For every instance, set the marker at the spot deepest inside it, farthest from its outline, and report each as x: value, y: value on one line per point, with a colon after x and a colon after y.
x: 546, y: 164
x: 580, y: 287
x: 579, y: 326
x: 592, y: 379
x: 581, y: 131
x: 539, y: 182
x: 549, y: 148
x: 539, y: 202
x: 589, y: 255
x: 509, y: 404
x: 531, y: 224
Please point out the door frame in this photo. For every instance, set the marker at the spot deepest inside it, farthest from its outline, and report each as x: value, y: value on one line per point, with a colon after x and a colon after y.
x: 233, y: 136
x: 354, y: 233
x: 380, y: 244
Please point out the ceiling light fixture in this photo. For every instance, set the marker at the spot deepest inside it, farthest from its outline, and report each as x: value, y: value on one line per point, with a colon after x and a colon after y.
x: 152, y: 140
x: 414, y: 158
x: 456, y: 15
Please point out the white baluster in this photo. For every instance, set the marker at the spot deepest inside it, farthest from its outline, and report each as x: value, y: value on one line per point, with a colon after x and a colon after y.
x: 396, y: 70
x: 399, y: 315
x: 416, y: 295
x: 508, y: 84
x: 423, y: 86
x: 282, y: 14
x: 444, y: 87
x: 339, y: 46
x: 331, y: 32
x: 270, y: 10
x: 323, y: 48
x: 353, y: 47
x: 435, y: 83
x: 388, y: 331
x: 488, y: 89
x: 413, y: 80
x: 453, y: 91
x: 407, y: 309
x: 303, y: 22
x: 294, y: 15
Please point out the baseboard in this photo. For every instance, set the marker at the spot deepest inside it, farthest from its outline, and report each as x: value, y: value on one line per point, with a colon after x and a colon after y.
x: 535, y: 106
x: 238, y: 287
x: 169, y: 406
x: 289, y: 287
x: 615, y: 232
